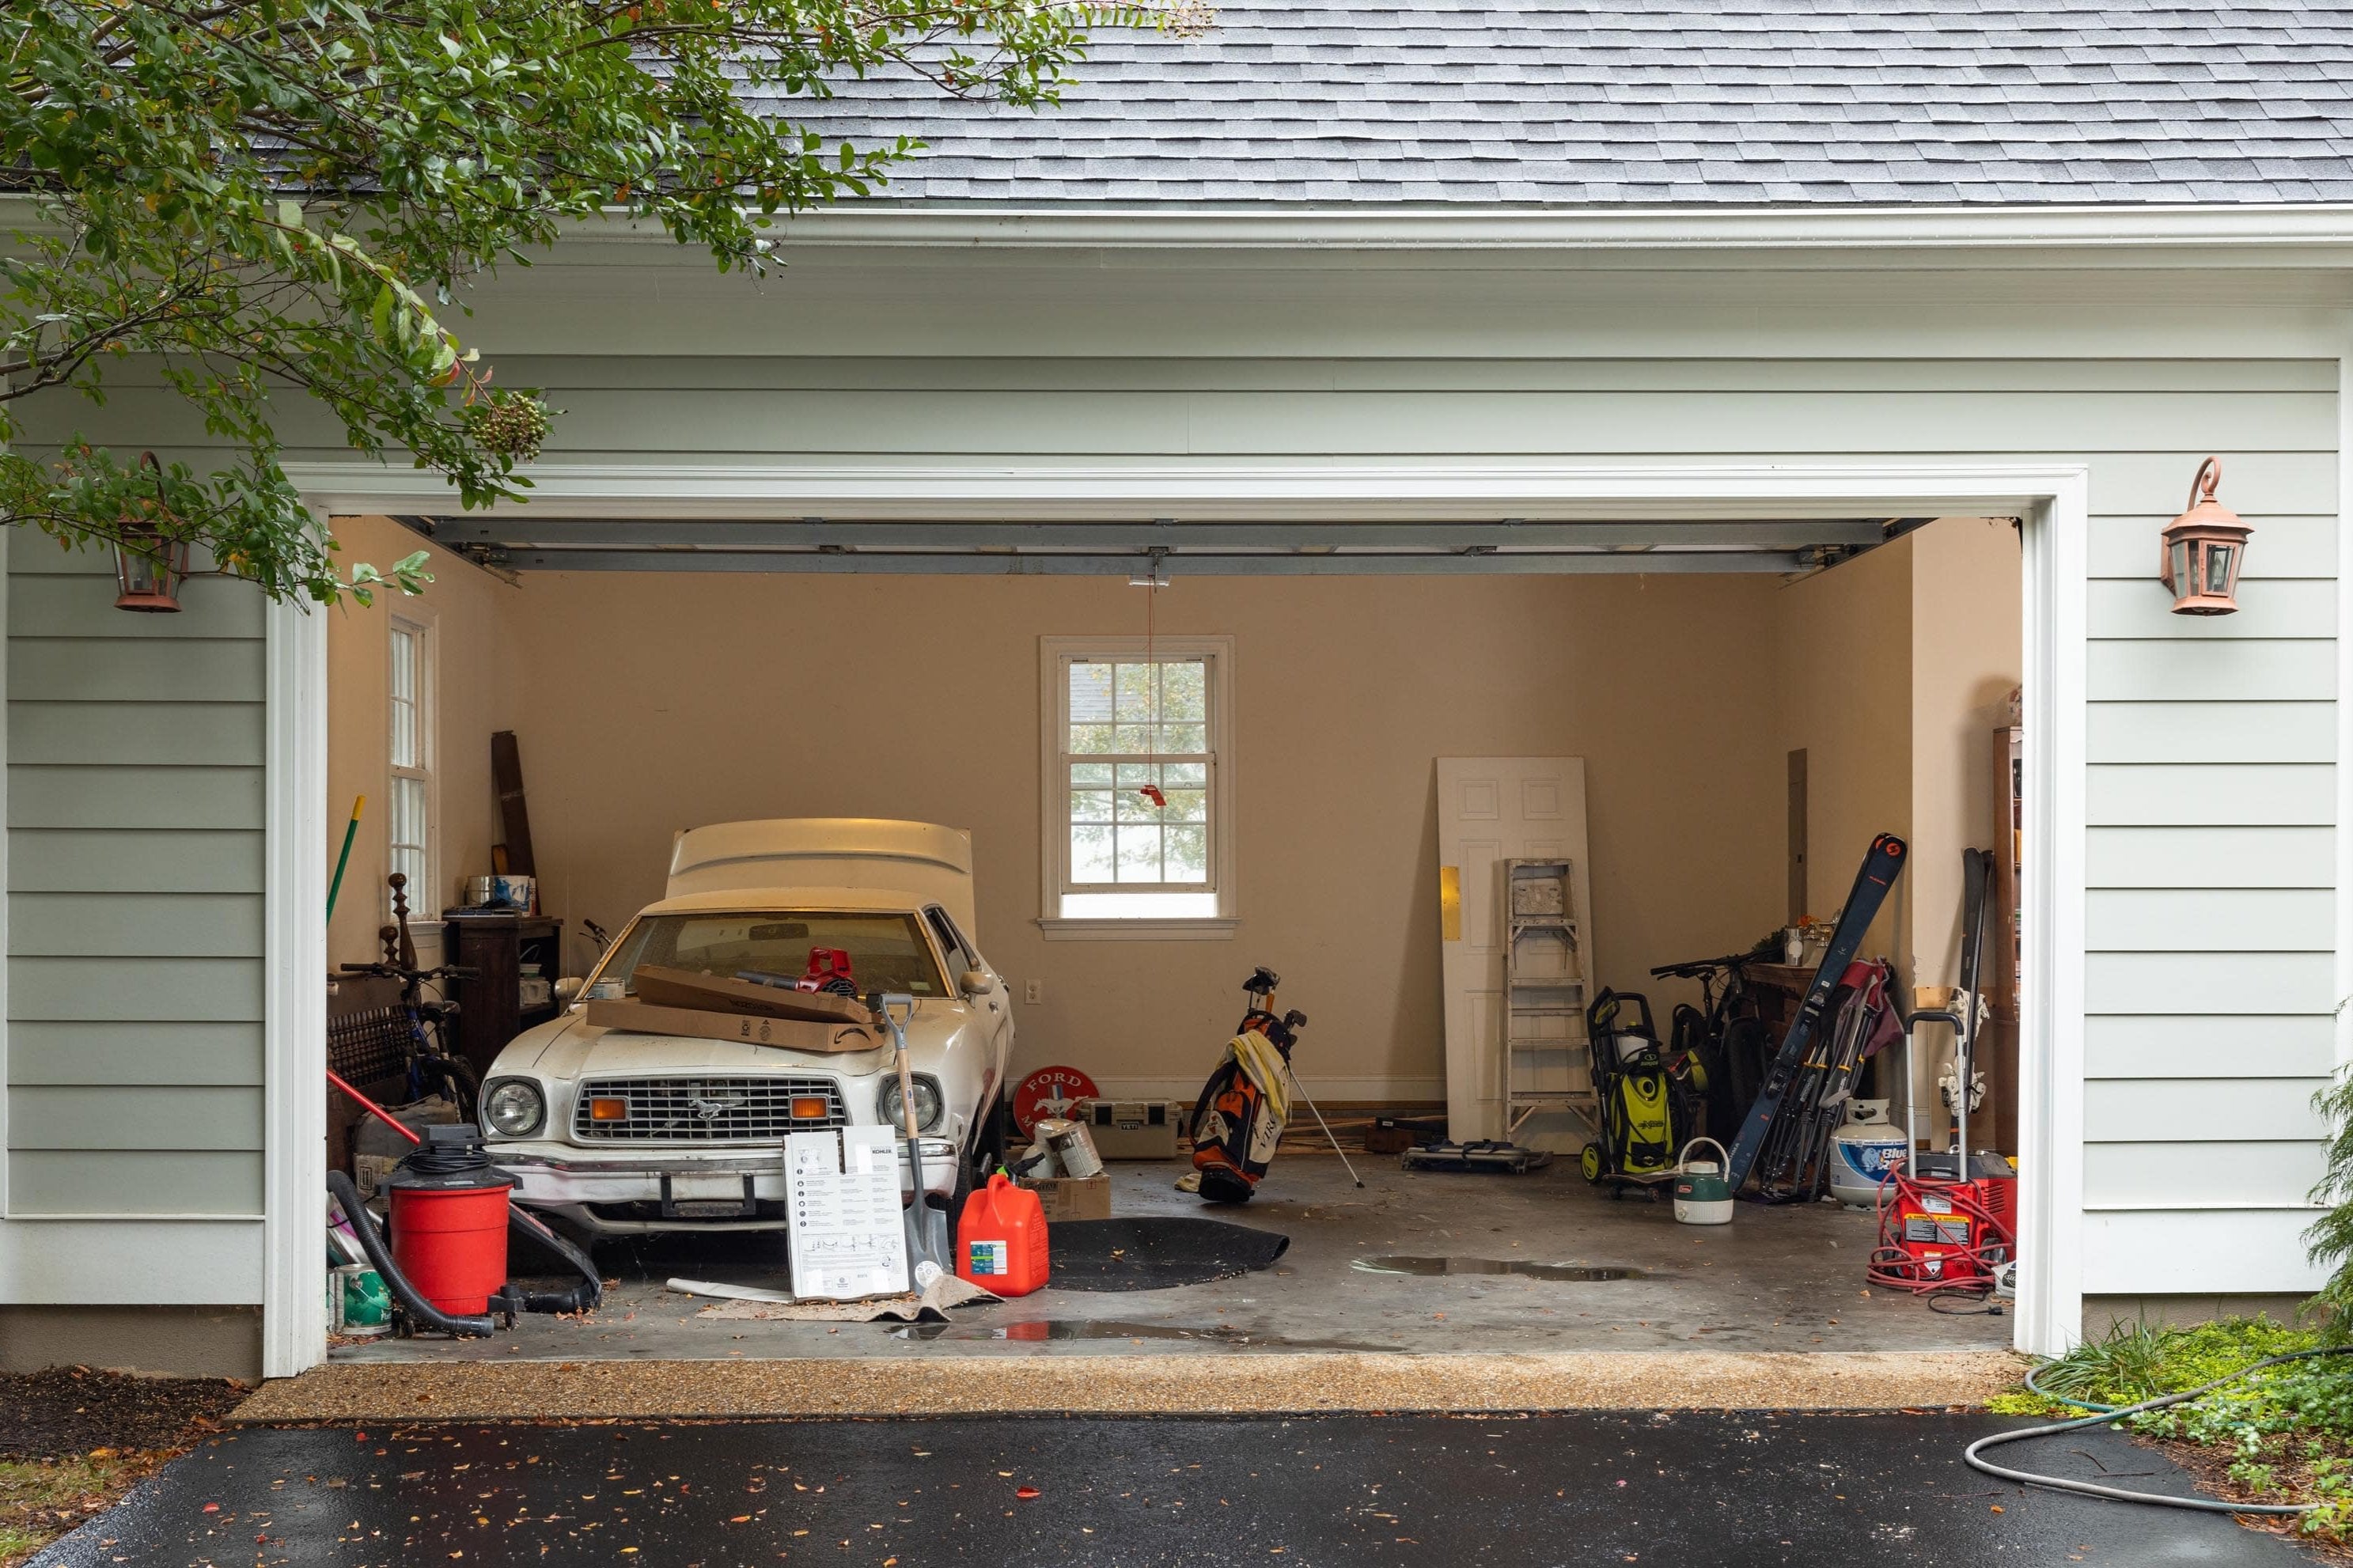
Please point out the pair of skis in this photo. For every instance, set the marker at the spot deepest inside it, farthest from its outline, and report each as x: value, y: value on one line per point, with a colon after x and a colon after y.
x: 1881, y: 866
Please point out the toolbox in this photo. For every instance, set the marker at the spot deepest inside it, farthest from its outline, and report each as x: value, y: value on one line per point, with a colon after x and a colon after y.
x: 1131, y: 1129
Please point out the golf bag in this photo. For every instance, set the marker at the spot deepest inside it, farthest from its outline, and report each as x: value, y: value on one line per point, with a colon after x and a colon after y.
x: 1238, y: 1120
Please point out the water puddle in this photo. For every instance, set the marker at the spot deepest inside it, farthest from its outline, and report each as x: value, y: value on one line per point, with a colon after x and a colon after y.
x: 1041, y: 1331
x: 1574, y: 1273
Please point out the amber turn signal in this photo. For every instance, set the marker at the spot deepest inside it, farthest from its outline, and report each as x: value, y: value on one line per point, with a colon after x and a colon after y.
x: 809, y: 1108
x: 608, y: 1110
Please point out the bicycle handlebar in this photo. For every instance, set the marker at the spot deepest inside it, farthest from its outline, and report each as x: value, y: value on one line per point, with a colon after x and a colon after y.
x: 1691, y: 967
x: 394, y: 971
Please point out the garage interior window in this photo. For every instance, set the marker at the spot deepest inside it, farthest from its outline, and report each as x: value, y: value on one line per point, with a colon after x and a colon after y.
x: 410, y: 813
x: 1137, y: 786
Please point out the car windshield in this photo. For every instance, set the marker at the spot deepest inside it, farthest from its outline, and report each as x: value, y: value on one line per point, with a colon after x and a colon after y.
x: 887, y: 951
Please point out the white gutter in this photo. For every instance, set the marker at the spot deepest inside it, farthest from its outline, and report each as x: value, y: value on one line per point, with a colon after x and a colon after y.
x: 2300, y: 228
x: 2291, y: 234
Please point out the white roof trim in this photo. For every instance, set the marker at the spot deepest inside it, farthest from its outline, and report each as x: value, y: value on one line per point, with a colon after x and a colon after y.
x: 2298, y: 227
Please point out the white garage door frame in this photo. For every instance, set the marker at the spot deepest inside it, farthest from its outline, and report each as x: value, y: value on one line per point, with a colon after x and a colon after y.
x: 2051, y: 499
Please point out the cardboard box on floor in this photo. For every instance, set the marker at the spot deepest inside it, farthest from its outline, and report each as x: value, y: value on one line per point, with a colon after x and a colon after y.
x: 1072, y: 1197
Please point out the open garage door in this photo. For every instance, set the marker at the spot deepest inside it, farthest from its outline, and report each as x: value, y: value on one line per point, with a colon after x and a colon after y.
x: 621, y: 651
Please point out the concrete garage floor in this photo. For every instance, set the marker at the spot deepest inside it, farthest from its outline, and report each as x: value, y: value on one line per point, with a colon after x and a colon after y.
x: 1788, y: 1279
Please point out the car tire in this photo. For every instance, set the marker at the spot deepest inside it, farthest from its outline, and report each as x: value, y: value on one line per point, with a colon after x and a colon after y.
x: 987, y: 1153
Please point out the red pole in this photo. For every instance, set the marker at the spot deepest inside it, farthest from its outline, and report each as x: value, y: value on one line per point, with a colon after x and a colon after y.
x: 373, y: 1108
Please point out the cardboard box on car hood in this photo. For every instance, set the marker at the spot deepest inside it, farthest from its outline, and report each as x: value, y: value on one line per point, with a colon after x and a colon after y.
x: 784, y: 1034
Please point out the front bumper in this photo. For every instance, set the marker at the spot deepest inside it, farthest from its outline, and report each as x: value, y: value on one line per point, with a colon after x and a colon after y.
x: 625, y: 1195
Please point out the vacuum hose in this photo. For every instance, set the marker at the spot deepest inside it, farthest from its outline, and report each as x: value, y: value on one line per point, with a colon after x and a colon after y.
x: 422, y: 1310
x: 583, y: 1297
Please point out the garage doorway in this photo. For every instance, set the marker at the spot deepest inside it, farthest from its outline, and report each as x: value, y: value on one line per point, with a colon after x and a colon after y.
x: 1345, y: 1244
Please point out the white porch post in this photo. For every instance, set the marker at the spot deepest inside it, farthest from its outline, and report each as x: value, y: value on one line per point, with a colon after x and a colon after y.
x: 294, y: 1158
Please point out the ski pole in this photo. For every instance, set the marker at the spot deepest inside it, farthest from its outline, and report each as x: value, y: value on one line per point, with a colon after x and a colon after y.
x: 1323, y: 1124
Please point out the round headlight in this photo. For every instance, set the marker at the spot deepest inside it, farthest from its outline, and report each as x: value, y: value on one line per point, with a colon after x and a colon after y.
x: 514, y: 1108
x: 928, y: 1105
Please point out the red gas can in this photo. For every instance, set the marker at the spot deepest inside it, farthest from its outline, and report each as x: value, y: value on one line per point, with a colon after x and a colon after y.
x: 1001, y: 1238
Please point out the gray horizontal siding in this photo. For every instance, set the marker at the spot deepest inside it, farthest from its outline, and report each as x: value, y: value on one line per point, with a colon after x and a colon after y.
x: 135, y: 820
x: 136, y: 1182
x: 118, y: 734
x: 1288, y: 371
x: 135, y: 925
x: 135, y: 990
x: 65, y: 1117
x: 2211, y: 919
x: 96, y: 1053
x: 135, y: 860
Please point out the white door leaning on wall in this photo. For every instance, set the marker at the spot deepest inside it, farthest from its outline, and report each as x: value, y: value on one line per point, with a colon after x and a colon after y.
x: 1490, y: 810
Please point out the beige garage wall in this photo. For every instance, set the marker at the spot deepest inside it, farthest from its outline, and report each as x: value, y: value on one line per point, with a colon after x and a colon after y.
x: 1843, y: 693
x: 1894, y: 670
x: 647, y: 703
x: 462, y: 608
x: 650, y: 703
x: 1967, y: 657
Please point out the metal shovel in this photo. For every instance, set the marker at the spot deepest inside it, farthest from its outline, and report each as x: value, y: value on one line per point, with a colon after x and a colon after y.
x: 927, y: 1227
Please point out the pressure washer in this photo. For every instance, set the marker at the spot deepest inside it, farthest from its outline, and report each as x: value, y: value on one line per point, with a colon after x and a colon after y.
x: 1948, y: 1223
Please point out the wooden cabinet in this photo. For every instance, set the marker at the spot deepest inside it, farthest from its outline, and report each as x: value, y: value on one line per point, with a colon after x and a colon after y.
x: 2004, y: 939
x: 490, y: 1010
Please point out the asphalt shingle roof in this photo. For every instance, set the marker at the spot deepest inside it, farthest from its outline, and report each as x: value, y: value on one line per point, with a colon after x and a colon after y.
x: 1749, y: 102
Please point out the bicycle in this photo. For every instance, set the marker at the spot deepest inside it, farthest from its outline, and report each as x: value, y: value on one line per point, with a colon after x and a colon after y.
x: 1726, y: 1033
x: 433, y: 1067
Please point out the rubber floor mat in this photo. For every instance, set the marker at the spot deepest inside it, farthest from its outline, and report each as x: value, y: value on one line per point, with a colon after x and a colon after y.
x: 1156, y: 1254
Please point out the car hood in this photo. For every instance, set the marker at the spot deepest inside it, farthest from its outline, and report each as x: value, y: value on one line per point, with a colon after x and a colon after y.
x: 572, y: 1048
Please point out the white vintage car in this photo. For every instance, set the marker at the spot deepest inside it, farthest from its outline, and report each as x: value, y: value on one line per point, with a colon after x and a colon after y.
x: 610, y: 1131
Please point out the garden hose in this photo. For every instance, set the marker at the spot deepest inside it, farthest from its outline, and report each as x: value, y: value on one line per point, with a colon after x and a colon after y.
x: 2037, y: 1388
x: 2105, y: 1416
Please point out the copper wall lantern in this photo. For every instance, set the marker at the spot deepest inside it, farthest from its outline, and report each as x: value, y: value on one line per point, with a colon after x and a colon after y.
x: 148, y: 567
x: 2203, y: 548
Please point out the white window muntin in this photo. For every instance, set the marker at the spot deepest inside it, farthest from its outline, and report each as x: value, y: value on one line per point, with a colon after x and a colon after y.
x: 1206, y: 900
x: 1130, y: 722
x: 408, y: 808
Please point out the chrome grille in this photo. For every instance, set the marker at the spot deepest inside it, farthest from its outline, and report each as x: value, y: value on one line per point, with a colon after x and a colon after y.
x: 705, y: 1109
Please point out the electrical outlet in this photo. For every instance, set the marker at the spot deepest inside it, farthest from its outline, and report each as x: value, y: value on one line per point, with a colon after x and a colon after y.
x: 1033, y: 991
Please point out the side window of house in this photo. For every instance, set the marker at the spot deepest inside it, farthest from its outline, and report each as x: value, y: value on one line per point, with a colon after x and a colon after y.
x: 409, y: 813
x: 1141, y: 738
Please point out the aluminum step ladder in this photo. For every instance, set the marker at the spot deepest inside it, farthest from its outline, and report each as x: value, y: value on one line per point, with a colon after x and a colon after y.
x: 1548, y: 1062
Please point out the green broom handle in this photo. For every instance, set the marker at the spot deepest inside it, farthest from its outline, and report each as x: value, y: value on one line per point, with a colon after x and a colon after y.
x: 349, y: 829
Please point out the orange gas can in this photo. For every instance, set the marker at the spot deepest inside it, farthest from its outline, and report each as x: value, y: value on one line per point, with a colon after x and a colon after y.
x: 1001, y: 1238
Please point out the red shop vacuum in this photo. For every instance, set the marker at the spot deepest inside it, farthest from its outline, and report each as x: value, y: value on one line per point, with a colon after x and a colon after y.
x: 446, y: 1266
x: 449, y: 1221
x: 1947, y: 1222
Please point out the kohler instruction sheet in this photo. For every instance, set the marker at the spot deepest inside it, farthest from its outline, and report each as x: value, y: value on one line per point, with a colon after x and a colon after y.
x: 848, y: 1239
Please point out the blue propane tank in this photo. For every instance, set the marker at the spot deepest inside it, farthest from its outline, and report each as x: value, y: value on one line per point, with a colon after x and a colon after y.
x: 1862, y: 1153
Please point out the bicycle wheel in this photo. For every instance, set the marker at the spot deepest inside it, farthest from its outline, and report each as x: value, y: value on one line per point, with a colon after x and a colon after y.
x: 458, y: 1084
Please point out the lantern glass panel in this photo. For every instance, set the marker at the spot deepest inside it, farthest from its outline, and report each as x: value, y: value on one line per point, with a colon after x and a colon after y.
x: 143, y: 573
x: 2219, y: 558
x: 2183, y: 582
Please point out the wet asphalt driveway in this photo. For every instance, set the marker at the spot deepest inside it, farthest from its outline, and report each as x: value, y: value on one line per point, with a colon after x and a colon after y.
x: 1681, y: 1489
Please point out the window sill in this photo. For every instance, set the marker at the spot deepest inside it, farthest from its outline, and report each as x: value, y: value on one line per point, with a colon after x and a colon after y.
x: 1188, y: 928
